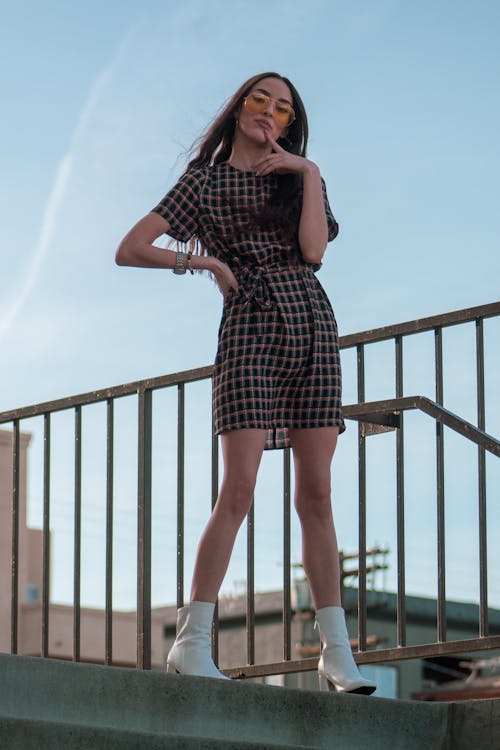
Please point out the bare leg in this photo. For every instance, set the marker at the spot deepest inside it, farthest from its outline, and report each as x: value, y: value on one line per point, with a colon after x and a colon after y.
x: 242, y: 453
x: 313, y: 450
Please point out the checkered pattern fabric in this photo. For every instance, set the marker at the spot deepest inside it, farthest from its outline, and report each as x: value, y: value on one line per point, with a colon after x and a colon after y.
x: 277, y: 363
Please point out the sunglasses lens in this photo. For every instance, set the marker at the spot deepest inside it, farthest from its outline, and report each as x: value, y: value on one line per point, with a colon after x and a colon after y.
x: 282, y: 113
x: 256, y: 102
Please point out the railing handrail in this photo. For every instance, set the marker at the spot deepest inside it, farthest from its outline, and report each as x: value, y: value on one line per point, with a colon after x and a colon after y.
x: 363, y: 411
x: 467, y: 315
x: 201, y: 373
x: 104, y: 394
x: 376, y: 656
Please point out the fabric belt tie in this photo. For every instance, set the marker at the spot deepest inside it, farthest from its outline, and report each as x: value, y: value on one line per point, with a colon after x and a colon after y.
x: 253, y: 285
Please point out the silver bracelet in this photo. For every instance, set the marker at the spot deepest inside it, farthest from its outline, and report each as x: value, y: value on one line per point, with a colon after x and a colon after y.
x: 179, y: 263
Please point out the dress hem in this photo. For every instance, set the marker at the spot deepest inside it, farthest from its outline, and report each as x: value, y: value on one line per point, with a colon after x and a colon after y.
x: 277, y: 436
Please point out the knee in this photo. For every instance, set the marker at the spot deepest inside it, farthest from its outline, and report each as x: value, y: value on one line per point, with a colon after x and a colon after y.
x: 313, y: 501
x: 235, y: 497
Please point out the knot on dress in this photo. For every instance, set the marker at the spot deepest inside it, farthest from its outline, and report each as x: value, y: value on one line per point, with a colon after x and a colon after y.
x: 253, y: 284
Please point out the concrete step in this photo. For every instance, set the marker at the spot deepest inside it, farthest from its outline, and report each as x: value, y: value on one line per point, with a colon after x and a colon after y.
x: 28, y: 734
x: 47, y: 696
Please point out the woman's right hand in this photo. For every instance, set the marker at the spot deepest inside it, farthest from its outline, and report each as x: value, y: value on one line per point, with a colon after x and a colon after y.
x: 224, y: 277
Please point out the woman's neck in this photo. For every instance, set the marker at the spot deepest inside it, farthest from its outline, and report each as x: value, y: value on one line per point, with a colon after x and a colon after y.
x: 245, y: 153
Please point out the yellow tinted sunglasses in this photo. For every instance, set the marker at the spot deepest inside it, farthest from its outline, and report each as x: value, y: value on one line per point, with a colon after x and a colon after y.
x: 257, y: 103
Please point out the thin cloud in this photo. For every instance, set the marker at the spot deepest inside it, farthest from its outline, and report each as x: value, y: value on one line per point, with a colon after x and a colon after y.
x: 57, y: 195
x: 46, y: 233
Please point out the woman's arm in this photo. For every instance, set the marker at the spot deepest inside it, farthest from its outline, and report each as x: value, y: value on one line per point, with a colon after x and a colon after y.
x: 137, y: 249
x: 313, y: 226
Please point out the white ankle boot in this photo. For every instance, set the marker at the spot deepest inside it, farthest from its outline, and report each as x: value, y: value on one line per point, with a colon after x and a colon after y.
x: 191, y: 653
x: 337, y: 669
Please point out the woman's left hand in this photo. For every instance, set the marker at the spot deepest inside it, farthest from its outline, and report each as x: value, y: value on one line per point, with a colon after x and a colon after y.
x: 281, y: 161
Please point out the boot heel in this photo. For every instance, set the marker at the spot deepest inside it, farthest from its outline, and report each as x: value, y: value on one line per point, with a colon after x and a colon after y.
x: 336, y: 664
x: 190, y: 652
x: 324, y: 684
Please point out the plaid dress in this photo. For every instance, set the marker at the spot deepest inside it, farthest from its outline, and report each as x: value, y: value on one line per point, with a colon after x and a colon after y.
x: 277, y: 363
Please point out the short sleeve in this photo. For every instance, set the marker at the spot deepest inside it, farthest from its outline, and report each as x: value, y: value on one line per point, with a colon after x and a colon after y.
x: 180, y: 205
x: 333, y: 227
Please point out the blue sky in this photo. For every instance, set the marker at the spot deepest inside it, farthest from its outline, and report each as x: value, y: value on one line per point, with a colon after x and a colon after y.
x: 100, y: 103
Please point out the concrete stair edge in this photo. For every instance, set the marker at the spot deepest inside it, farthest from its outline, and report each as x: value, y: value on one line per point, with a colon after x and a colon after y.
x: 36, y: 734
x: 114, y: 698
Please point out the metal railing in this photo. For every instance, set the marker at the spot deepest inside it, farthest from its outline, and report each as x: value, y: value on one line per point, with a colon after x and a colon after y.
x: 372, y: 417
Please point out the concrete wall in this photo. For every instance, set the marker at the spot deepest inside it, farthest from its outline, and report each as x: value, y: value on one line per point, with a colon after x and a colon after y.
x: 46, y: 704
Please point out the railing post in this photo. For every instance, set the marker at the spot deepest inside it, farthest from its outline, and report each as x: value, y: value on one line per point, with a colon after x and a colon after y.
x: 46, y: 536
x: 14, y: 606
x: 362, y: 506
x: 441, y: 557
x: 400, y: 479
x: 287, y: 613
x: 180, y: 494
x: 144, y: 531
x: 481, y: 423
x: 77, y: 534
x: 250, y: 615
x: 108, y: 652
x: 215, y: 494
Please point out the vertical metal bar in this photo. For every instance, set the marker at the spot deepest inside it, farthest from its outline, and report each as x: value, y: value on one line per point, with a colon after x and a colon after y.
x: 362, y: 506
x: 180, y: 495
x: 15, y: 541
x: 287, y: 609
x: 441, y: 539
x: 144, y: 531
x: 77, y: 534
x: 46, y: 536
x: 250, y: 619
x: 401, y: 600
x: 215, y: 493
x: 483, y: 549
x: 108, y: 648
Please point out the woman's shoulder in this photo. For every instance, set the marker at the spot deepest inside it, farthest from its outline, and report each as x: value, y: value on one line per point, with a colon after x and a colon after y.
x: 192, y: 179
x: 208, y: 177
x: 215, y: 176
x: 195, y: 173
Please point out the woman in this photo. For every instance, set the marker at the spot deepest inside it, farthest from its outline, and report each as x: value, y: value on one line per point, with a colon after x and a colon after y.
x: 253, y: 211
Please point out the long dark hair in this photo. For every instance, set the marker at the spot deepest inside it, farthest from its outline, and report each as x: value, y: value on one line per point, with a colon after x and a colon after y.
x: 215, y: 145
